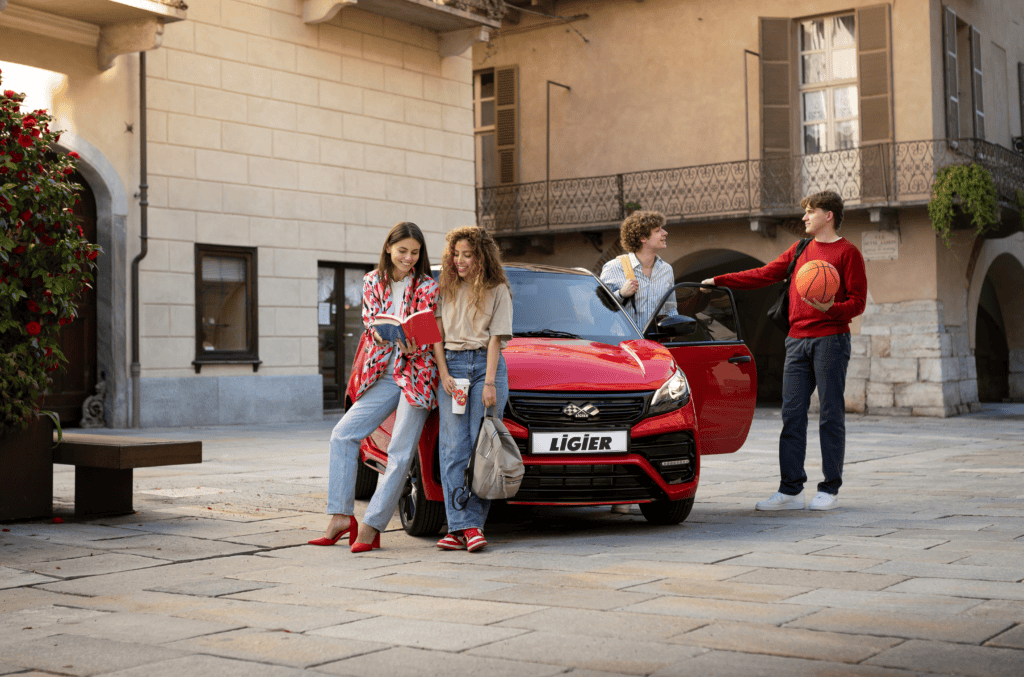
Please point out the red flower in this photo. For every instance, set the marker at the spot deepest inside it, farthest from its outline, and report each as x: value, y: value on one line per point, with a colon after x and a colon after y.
x: 35, y: 132
x: 20, y: 249
x: 93, y: 254
x: 22, y: 175
x: 9, y: 93
x: 25, y: 141
x: 25, y: 215
x: 33, y: 307
x: 33, y: 328
x: 69, y: 171
x: 28, y: 121
x: 47, y: 293
x: 74, y: 155
x: 17, y: 157
x: 62, y: 321
x: 49, y: 351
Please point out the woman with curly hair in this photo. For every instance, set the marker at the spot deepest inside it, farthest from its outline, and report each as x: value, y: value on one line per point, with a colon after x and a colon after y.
x: 476, y: 320
x: 392, y: 377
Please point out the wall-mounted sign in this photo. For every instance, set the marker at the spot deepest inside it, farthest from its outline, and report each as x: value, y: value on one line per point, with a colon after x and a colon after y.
x: 880, y: 245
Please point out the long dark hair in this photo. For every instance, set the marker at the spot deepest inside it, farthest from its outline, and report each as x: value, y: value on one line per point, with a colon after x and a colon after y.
x: 402, y: 231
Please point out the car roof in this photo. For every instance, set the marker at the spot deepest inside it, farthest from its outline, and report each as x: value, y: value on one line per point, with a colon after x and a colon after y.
x: 538, y: 268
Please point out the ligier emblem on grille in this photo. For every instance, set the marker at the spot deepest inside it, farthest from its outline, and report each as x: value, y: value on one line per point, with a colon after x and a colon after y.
x: 586, y: 411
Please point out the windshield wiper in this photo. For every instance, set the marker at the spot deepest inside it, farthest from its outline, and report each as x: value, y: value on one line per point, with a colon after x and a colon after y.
x: 552, y: 333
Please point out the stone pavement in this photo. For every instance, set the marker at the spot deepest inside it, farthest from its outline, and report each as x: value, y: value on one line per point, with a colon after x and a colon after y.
x: 919, y: 572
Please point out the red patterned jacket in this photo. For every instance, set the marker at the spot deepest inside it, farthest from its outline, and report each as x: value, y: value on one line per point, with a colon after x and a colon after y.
x: 416, y: 375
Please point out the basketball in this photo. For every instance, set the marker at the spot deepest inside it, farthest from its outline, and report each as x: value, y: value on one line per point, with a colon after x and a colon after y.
x: 817, y: 281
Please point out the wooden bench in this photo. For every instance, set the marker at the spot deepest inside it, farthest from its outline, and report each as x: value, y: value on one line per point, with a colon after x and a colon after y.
x: 104, y: 464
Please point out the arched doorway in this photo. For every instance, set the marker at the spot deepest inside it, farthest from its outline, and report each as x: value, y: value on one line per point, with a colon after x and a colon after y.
x: 75, y: 382
x: 999, y: 332
x: 764, y: 340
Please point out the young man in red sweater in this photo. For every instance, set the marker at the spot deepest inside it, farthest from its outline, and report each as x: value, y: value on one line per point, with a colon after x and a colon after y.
x: 817, y: 352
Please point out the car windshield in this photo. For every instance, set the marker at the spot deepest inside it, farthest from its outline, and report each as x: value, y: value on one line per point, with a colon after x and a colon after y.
x: 566, y: 305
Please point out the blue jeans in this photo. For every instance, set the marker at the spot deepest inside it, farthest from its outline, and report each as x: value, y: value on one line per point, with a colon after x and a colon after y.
x: 458, y: 435
x: 362, y: 418
x: 814, y: 362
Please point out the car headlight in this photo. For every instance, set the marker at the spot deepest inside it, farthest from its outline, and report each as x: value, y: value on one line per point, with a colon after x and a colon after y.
x: 673, y: 394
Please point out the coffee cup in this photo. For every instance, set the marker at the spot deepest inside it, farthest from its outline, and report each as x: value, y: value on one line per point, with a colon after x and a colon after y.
x: 460, y: 394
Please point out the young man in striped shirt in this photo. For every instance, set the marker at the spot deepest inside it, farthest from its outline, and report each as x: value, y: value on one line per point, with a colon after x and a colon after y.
x: 643, y: 236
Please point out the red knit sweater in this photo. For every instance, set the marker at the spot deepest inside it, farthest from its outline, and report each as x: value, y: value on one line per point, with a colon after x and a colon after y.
x: 805, y: 321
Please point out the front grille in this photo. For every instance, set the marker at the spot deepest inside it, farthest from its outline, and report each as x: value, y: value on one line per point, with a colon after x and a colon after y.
x: 586, y: 483
x: 546, y: 410
x: 673, y: 455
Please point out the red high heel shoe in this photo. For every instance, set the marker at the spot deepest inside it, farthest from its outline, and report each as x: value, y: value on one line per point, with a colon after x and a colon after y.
x: 352, y: 530
x: 366, y: 547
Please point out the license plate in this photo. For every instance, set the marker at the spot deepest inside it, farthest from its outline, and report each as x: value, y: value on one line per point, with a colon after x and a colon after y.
x: 580, y: 442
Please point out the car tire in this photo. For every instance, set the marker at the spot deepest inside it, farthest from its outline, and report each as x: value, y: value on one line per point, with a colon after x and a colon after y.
x: 420, y: 517
x: 366, y: 481
x: 667, y: 512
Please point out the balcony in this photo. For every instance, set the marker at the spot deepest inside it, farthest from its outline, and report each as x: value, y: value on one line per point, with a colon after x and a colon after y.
x: 111, y: 26
x: 877, y: 176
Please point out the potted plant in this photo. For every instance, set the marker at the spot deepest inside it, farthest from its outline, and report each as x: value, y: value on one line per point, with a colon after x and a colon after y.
x: 45, y: 263
x: 967, y: 192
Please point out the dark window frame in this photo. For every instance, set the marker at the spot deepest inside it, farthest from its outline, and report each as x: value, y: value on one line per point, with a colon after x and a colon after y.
x: 251, y: 354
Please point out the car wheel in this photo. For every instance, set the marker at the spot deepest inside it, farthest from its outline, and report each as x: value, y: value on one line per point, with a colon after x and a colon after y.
x: 667, y: 512
x: 420, y: 517
x: 366, y: 481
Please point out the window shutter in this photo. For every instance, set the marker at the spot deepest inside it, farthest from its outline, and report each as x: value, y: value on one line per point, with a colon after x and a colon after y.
x: 776, y: 84
x: 976, y: 85
x: 874, y: 69
x: 950, y: 64
x: 506, y: 121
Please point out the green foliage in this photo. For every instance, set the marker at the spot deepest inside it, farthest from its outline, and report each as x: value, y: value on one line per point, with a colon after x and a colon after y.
x: 969, y: 186
x: 45, y: 261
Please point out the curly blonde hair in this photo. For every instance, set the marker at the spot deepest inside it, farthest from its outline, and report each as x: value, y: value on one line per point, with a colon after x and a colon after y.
x: 489, y: 273
x: 637, y: 227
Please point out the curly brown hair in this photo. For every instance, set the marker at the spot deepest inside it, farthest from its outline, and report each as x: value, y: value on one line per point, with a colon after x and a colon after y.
x: 829, y: 201
x: 489, y: 273
x: 637, y: 227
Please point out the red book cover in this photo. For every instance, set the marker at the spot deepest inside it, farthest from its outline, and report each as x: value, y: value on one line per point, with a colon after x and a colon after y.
x: 421, y: 326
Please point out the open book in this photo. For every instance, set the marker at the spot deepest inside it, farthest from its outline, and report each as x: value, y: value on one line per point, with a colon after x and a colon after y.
x: 421, y: 326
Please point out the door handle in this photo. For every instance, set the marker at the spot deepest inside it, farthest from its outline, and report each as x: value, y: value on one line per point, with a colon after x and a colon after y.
x: 740, y: 359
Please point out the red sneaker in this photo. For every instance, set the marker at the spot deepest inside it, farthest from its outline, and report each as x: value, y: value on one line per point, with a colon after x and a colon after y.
x: 474, y: 539
x: 452, y: 542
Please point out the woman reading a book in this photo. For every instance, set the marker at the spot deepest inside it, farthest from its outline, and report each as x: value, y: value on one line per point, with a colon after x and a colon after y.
x: 392, y: 376
x: 476, y: 321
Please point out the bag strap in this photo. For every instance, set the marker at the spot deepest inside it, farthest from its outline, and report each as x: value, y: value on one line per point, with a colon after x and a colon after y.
x: 627, y: 269
x: 799, y: 250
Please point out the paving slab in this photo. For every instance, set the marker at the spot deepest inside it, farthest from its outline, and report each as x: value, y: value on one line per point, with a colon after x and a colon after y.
x: 211, y: 587
x: 789, y: 642
x: 17, y: 578
x: 579, y: 598
x: 411, y: 662
x: 714, y: 609
x: 437, y: 586
x: 615, y: 624
x: 471, y: 611
x: 605, y: 654
x: 957, y: 659
x: 314, y: 596
x: 288, y: 617
x: 812, y: 580
x: 209, y: 665
x: 958, y: 587
x: 440, y: 635
x: 999, y: 609
x: 175, y: 548
x: 805, y: 562
x: 95, y: 565
x: 277, y: 647
x: 1011, y: 639
x: 733, y: 664
x: 80, y: 655
x: 667, y: 569
x: 23, y: 551
x: 145, y: 628
x: 958, y: 628
x: 724, y: 590
x: 883, y: 601
x: 968, y: 572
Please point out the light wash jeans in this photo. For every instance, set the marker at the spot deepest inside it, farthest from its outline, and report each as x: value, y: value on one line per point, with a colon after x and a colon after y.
x: 458, y: 435
x: 368, y: 412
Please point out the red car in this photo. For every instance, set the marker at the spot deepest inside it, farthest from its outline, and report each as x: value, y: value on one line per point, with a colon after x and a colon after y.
x: 604, y: 412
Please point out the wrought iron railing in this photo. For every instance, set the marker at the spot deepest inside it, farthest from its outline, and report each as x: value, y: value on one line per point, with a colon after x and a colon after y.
x: 876, y: 175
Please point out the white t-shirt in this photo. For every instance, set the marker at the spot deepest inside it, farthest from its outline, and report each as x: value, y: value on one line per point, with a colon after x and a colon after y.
x: 397, y: 296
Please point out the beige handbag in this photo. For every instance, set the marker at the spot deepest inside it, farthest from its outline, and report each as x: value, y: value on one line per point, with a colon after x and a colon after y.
x: 496, y: 467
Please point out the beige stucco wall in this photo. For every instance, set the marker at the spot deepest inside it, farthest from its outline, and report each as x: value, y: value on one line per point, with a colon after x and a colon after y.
x: 660, y: 84
x: 306, y: 141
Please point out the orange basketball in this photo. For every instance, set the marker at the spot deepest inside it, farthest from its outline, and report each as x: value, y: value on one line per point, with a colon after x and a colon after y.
x: 817, y: 281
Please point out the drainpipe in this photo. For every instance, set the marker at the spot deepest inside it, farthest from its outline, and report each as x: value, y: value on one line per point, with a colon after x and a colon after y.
x: 143, y: 223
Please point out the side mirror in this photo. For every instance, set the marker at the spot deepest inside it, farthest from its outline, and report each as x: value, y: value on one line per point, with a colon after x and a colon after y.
x: 677, y: 325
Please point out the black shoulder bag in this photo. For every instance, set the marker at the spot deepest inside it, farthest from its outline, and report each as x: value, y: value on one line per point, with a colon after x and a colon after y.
x: 779, y: 312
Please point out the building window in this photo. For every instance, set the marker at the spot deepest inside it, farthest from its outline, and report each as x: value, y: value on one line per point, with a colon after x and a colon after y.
x: 828, y: 84
x: 483, y: 127
x: 226, y: 304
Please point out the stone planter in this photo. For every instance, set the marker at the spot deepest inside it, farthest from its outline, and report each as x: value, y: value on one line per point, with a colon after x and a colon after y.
x: 26, y: 471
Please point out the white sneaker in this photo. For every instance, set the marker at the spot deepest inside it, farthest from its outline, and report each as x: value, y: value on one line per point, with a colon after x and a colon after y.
x: 781, y: 501
x: 824, y: 501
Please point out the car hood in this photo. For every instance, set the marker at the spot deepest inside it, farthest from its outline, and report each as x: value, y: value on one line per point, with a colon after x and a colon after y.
x: 579, y: 365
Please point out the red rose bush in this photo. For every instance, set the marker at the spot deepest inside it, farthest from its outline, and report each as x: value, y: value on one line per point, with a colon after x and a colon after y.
x: 45, y: 262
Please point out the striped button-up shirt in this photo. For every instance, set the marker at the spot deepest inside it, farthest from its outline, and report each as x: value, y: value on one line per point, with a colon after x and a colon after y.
x: 644, y: 303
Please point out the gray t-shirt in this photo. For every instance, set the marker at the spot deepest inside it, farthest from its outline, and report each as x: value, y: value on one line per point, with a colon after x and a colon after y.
x: 467, y: 327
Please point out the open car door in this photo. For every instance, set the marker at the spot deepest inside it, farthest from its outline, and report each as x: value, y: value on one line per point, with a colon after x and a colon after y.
x: 705, y: 341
